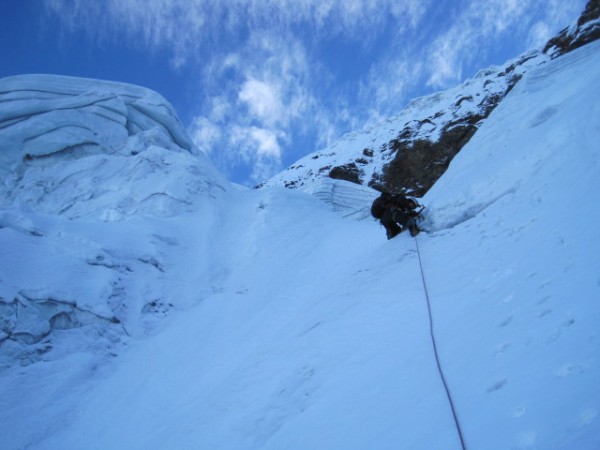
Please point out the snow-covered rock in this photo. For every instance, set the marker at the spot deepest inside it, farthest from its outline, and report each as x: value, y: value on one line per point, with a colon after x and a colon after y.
x: 584, y: 31
x: 453, y: 115
x: 410, y: 151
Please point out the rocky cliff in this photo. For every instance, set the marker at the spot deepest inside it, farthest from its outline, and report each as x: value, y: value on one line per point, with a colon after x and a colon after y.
x: 410, y: 151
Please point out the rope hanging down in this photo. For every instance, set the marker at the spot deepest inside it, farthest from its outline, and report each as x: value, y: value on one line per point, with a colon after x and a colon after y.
x: 435, y: 351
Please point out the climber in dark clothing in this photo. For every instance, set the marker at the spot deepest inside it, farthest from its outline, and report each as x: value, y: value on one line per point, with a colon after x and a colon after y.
x: 396, y: 213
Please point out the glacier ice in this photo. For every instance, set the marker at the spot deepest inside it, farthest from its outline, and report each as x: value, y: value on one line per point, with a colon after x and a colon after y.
x: 83, y: 147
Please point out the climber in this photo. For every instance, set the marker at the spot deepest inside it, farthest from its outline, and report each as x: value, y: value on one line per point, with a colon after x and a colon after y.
x: 396, y: 213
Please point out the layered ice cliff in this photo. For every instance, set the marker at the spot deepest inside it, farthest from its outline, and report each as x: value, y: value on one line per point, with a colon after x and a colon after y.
x: 113, y: 144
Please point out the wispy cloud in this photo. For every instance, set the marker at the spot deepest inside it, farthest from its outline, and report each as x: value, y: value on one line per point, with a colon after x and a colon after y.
x: 185, y: 26
x: 557, y: 15
x: 482, y: 21
x: 387, y: 84
x: 483, y: 24
x: 256, y: 97
x: 262, y: 101
x: 259, y: 147
x: 205, y: 133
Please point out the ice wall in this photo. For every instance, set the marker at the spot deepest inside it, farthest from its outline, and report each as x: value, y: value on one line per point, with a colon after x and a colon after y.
x: 87, y: 147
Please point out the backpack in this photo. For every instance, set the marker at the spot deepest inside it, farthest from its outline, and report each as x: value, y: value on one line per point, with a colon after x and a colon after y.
x: 387, y: 200
x: 378, y: 207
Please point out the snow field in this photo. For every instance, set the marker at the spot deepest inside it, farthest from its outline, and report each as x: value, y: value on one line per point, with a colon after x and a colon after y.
x: 294, y: 326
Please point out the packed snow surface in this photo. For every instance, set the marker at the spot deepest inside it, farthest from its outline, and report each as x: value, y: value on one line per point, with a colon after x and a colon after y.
x: 272, y: 319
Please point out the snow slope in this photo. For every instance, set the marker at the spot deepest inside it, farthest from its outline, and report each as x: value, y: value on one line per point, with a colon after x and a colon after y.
x: 518, y: 216
x: 293, y: 325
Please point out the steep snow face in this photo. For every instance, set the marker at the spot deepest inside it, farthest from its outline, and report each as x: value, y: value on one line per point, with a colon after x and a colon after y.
x: 513, y: 264
x: 80, y: 147
x: 279, y: 324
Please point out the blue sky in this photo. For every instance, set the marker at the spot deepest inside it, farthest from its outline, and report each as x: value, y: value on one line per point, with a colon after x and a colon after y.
x: 261, y: 83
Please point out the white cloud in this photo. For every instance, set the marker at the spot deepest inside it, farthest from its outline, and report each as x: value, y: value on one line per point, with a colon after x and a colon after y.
x: 262, y: 170
x: 258, y: 63
x: 219, y: 108
x: 254, y: 141
x: 264, y: 103
x: 267, y: 144
x: 262, y: 100
x: 444, y: 59
x: 205, y: 134
x: 184, y: 27
x: 388, y: 83
x: 558, y: 15
x: 539, y: 34
x: 482, y: 21
x: 258, y: 147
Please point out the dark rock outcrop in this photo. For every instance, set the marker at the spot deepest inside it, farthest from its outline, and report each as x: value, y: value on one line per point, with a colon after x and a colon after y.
x: 349, y: 172
x: 419, y: 164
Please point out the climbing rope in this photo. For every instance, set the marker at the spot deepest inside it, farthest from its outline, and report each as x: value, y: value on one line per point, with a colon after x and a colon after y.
x: 435, y: 351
